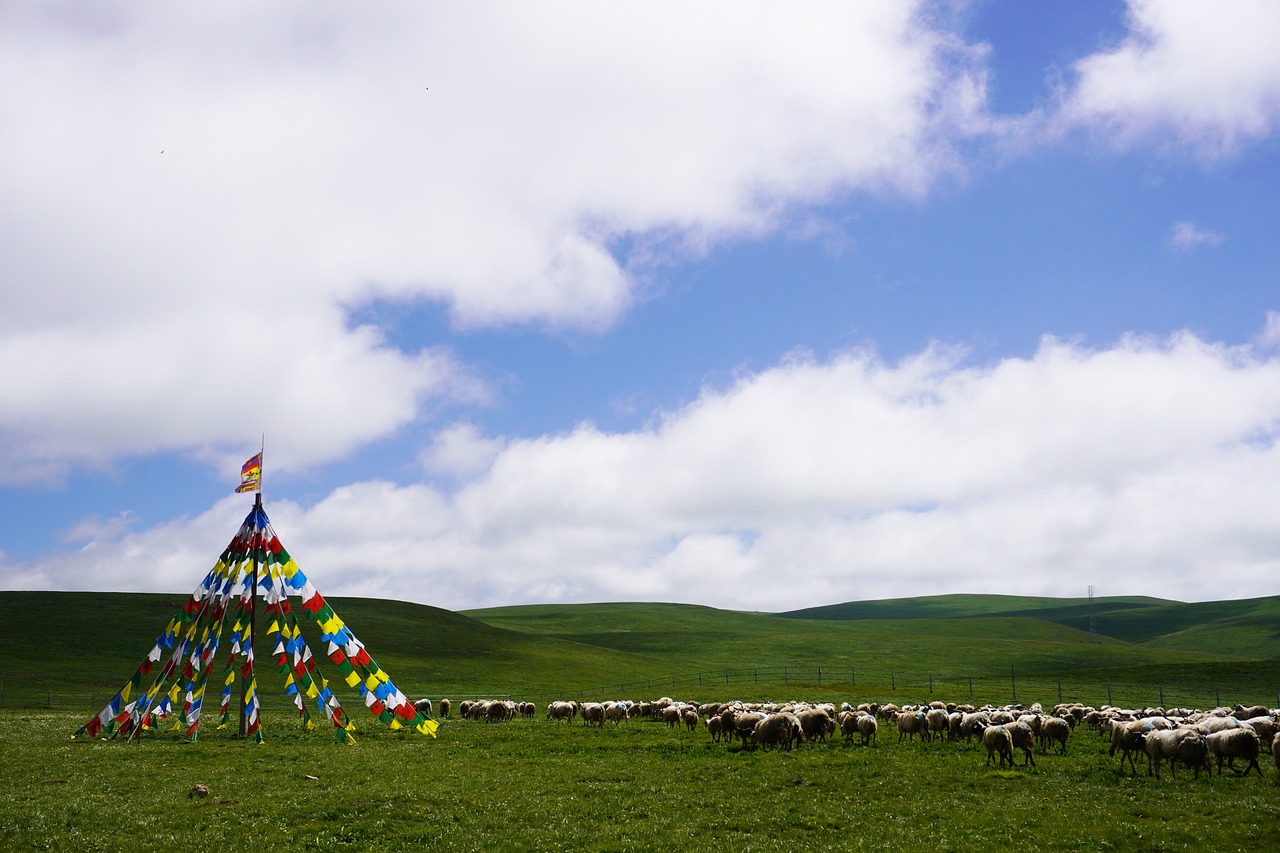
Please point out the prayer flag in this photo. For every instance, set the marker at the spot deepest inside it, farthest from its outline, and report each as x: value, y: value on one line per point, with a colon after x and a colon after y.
x: 250, y: 475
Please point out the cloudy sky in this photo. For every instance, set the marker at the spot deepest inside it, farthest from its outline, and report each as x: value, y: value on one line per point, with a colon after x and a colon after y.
x: 742, y: 304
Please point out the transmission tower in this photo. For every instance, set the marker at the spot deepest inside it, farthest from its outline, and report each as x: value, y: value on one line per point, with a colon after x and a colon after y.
x: 1093, y: 622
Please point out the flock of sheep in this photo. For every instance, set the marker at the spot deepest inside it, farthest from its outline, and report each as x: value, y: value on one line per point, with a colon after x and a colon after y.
x: 1199, y: 740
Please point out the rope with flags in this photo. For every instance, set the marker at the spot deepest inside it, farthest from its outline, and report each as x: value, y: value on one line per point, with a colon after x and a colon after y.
x: 189, y: 645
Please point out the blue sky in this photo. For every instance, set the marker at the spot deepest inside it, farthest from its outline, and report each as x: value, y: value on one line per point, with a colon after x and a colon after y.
x: 732, y: 306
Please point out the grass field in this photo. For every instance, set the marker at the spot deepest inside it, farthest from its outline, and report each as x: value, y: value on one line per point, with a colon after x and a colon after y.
x: 535, y: 785
x: 639, y: 786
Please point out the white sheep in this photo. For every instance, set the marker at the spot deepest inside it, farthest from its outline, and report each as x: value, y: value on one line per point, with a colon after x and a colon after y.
x: 777, y: 730
x: 1231, y: 744
x: 423, y: 706
x: 1055, y: 730
x: 999, y: 742
x: 867, y: 727
x: 911, y: 723
x: 816, y: 724
x: 445, y: 707
x: 1275, y: 755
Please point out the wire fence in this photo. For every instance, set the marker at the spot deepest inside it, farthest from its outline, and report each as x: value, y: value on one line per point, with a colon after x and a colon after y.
x: 784, y: 682
x: 902, y: 686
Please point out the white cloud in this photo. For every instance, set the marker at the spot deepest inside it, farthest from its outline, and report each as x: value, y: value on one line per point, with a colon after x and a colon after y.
x: 1269, y: 337
x: 192, y: 196
x: 1146, y: 467
x: 1187, y: 235
x: 1204, y: 75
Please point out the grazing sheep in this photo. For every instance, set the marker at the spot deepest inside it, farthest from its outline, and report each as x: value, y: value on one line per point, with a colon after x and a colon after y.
x: 445, y: 707
x: 777, y: 730
x: 592, y: 714
x: 1275, y: 755
x: 560, y: 711
x: 1263, y: 726
x: 690, y: 717
x: 867, y: 728
x: 1055, y: 730
x: 715, y: 725
x: 1128, y: 739
x: 744, y: 723
x: 1193, y: 751
x: 848, y: 724
x: 1024, y: 739
x: 1162, y: 745
x: 999, y: 742
x: 198, y: 790
x: 1231, y: 744
x: 937, y: 722
x: 910, y: 724
x: 423, y: 706
x: 1243, y: 713
x: 615, y: 712
x: 816, y: 724
x: 671, y: 716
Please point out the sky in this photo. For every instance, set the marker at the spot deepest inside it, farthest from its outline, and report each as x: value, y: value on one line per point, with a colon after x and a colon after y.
x: 744, y: 305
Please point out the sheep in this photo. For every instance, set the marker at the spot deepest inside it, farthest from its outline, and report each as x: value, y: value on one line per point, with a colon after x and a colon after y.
x: 816, y: 724
x: 1263, y: 726
x: 445, y: 707
x: 744, y: 723
x: 1231, y: 744
x: 777, y: 730
x: 715, y: 725
x: 1243, y: 713
x: 1024, y: 739
x: 911, y: 723
x: 615, y: 712
x: 560, y: 711
x: 848, y: 723
x: 592, y: 714
x: 867, y: 728
x: 1162, y: 745
x: 1128, y: 739
x: 998, y: 741
x: 1055, y: 730
x: 423, y: 706
x: 1193, y: 751
x: 690, y: 717
x: 972, y: 723
x: 1275, y: 755
x: 671, y: 716
x: 936, y: 722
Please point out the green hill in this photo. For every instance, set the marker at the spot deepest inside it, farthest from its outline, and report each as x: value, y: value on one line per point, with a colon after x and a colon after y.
x: 82, y: 646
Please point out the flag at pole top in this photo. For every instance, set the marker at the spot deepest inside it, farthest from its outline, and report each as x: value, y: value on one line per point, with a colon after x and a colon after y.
x: 250, y: 474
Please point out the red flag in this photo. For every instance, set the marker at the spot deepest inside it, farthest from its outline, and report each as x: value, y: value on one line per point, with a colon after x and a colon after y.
x: 250, y: 475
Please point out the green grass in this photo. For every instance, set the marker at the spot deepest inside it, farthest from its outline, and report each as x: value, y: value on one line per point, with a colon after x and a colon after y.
x: 531, y: 784
x: 640, y: 786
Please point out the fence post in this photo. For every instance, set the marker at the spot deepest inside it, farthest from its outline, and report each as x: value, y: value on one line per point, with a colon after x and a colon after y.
x: 1161, y: 697
x: 786, y: 675
x: 1109, y: 702
x: 1217, y: 698
x: 971, y: 687
x: 853, y: 678
x: 757, y: 676
x: 699, y: 679
x: 892, y: 683
x: 931, y: 684
x: 819, y: 676
x: 1013, y: 679
x: 1059, y: 692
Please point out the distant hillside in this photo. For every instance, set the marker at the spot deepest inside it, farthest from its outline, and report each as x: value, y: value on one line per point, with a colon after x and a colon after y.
x: 86, y: 644
x: 1245, y: 628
